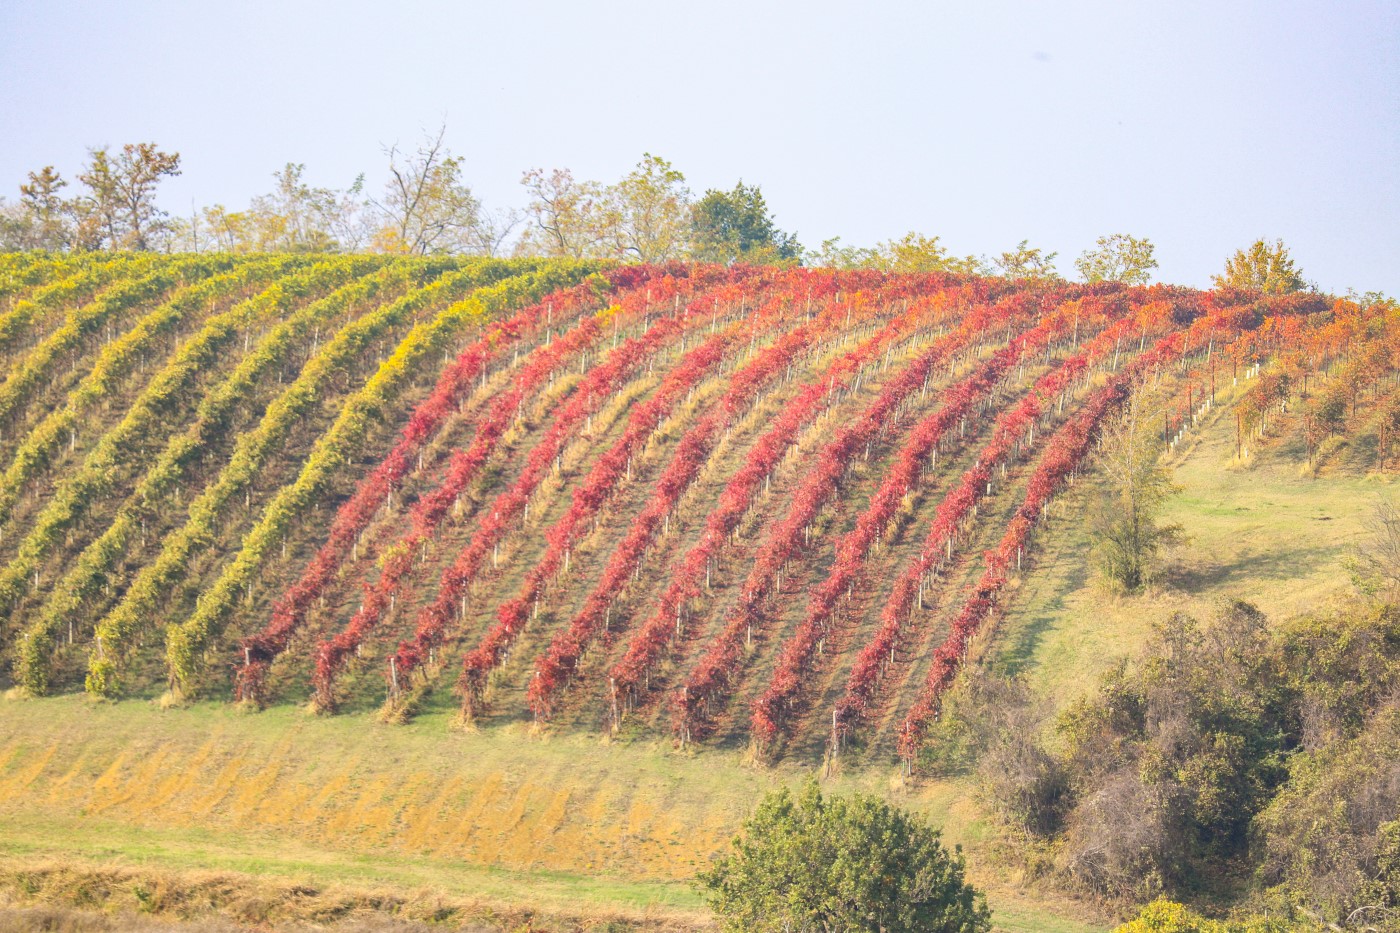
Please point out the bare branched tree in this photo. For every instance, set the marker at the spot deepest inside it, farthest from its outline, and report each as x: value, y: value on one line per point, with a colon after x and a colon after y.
x: 568, y: 217
x: 1375, y: 562
x: 493, y: 231
x: 426, y: 207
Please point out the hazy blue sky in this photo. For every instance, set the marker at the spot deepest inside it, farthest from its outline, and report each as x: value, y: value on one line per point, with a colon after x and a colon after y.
x: 1201, y: 125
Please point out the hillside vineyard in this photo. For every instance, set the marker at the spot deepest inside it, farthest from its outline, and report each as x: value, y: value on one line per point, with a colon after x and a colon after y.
x: 747, y: 505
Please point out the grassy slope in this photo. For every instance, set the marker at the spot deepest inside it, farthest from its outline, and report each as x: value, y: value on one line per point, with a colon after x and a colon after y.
x: 568, y: 822
x: 1267, y: 531
x: 573, y: 821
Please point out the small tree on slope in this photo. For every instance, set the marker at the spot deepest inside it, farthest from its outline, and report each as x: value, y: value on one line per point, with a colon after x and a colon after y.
x: 1125, y: 526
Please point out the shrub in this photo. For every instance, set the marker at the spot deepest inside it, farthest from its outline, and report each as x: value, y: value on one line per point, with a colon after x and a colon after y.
x: 1163, y: 916
x: 857, y: 863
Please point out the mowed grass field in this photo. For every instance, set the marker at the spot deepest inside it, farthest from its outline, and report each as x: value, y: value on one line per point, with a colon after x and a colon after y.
x: 584, y: 827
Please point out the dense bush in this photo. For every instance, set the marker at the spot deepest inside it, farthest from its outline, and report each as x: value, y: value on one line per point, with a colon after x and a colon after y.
x: 1231, y: 758
x: 1163, y: 916
x: 816, y: 864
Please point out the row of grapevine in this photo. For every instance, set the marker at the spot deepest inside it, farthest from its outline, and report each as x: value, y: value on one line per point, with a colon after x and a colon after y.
x: 20, y: 271
x: 95, y: 571
x: 1065, y: 451
x: 70, y: 500
x: 588, y: 498
x: 36, y: 368
x: 721, y: 665
x: 1013, y: 431
x: 593, y: 390
x: 1290, y: 332
x: 388, y: 300
x: 609, y: 483
x: 560, y: 659
x: 377, y: 488
x: 17, y: 323
x: 24, y: 274
x: 540, y: 366
x: 607, y: 475
x: 116, y: 360
x: 1352, y: 350
x: 187, y: 641
x: 773, y: 711
x: 650, y: 643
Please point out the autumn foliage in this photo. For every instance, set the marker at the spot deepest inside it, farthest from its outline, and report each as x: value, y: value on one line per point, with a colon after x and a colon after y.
x: 693, y: 500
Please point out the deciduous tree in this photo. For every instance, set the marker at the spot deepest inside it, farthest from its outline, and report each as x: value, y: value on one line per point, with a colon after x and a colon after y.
x: 567, y: 217
x: 827, y: 864
x: 1264, y: 267
x: 1374, y: 563
x: 427, y: 207
x: 915, y: 252
x: 1126, y: 529
x: 295, y: 217
x: 653, y: 205
x: 299, y: 217
x: 737, y: 225
x: 1027, y: 262
x: 230, y: 231
x: 14, y: 230
x: 912, y: 252
x: 832, y: 255
x: 1118, y: 258
x: 118, y: 210
x: 48, y: 217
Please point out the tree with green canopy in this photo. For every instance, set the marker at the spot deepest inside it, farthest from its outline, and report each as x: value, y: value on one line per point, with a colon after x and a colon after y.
x: 1124, y: 524
x: 817, y: 863
x: 737, y: 225
x: 1027, y: 263
x: 1118, y: 258
x: 653, y: 208
x: 1264, y: 267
